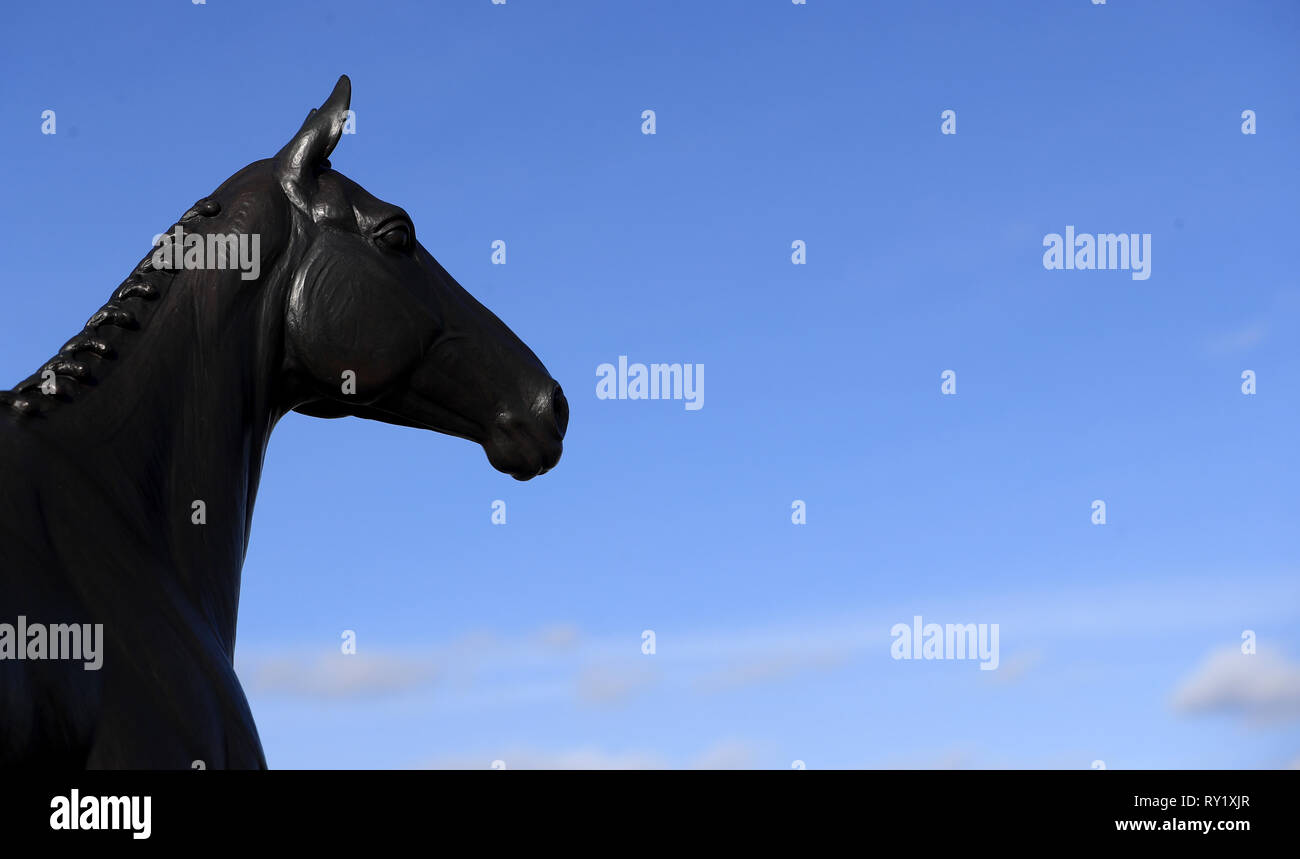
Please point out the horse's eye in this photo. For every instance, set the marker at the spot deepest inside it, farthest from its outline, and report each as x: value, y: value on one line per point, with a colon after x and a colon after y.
x: 396, y: 238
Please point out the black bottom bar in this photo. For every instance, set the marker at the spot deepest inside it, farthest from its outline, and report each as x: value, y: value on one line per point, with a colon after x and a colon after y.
x: 975, y: 807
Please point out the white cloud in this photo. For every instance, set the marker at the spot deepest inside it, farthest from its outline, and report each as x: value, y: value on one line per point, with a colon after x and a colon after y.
x: 584, y: 758
x: 727, y: 754
x: 338, y: 675
x: 770, y: 668
x: 612, y: 685
x: 944, y: 759
x: 560, y: 635
x: 1239, y: 339
x: 1015, y: 668
x: 1262, y: 687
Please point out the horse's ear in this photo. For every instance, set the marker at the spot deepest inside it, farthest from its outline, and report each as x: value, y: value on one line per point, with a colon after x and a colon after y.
x: 296, y: 164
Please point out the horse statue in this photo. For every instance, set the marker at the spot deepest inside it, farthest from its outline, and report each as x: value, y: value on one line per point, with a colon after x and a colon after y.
x: 131, y: 459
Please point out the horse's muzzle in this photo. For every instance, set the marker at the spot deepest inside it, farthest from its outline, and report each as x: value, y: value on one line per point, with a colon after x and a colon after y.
x: 530, y: 444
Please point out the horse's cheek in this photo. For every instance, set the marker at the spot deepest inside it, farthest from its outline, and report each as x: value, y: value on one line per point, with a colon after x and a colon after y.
x: 348, y: 329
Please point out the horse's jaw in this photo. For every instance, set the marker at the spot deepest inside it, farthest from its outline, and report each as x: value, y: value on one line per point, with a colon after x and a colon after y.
x: 523, y: 447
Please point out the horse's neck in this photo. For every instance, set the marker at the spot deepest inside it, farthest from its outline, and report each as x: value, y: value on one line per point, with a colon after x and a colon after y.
x: 179, y: 426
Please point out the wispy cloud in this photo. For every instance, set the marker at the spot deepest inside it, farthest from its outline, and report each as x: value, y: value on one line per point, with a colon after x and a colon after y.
x: 608, y: 685
x: 1240, y: 339
x: 1016, y: 667
x: 1263, y: 687
x: 559, y: 661
x: 583, y: 758
x: 726, y: 754
x: 771, y: 668
x: 947, y: 759
x: 338, y: 675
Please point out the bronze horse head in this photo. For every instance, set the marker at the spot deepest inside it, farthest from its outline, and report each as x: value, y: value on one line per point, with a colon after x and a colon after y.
x: 131, y: 459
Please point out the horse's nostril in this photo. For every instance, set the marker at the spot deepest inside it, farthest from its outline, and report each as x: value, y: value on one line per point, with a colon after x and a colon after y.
x: 561, y: 408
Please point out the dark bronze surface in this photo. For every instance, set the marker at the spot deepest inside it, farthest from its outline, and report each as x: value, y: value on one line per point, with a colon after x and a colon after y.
x: 168, y: 397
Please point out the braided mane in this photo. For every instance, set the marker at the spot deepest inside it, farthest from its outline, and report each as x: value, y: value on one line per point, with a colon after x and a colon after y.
x: 60, y: 377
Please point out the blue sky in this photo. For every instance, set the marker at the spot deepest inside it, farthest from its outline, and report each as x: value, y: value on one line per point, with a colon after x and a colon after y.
x: 775, y: 122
